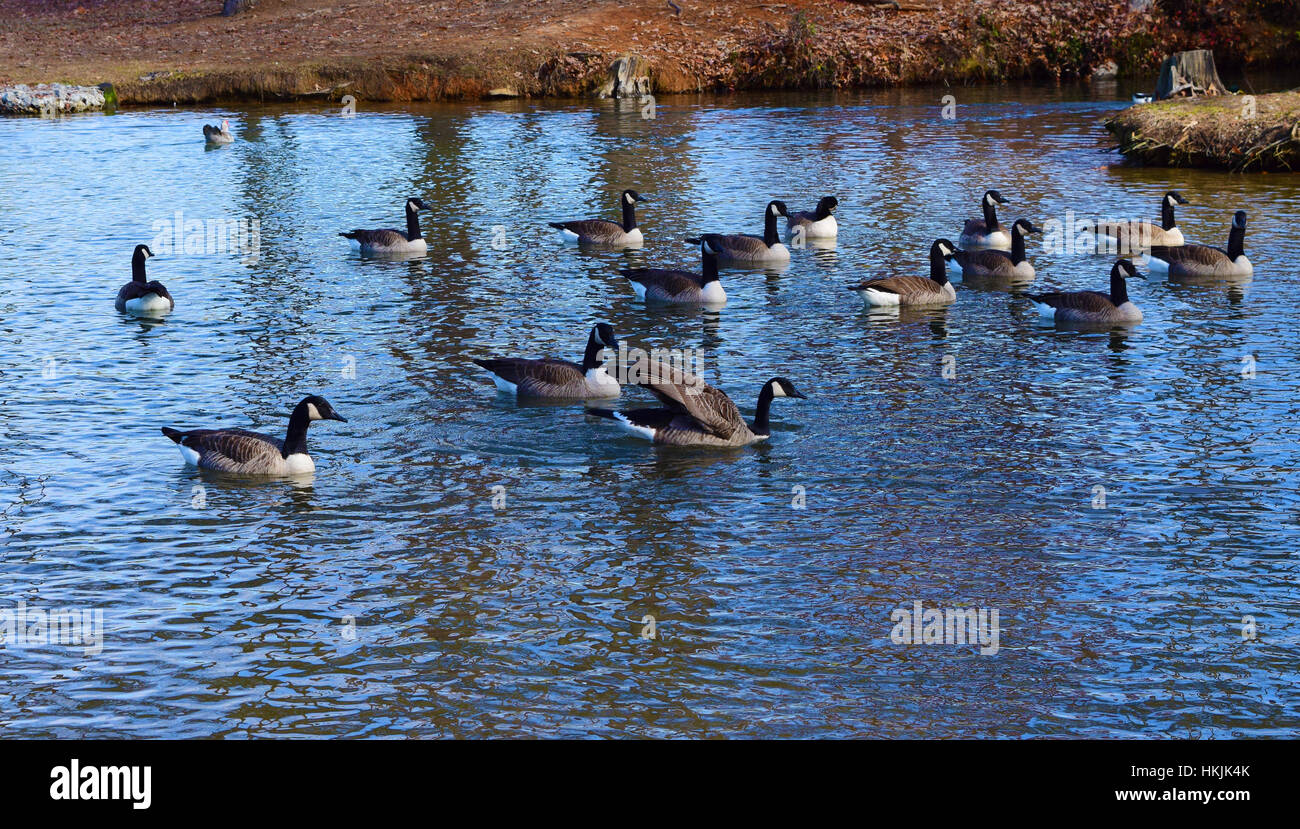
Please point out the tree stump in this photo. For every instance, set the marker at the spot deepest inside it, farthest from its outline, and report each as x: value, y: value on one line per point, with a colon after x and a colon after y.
x: 1190, y: 74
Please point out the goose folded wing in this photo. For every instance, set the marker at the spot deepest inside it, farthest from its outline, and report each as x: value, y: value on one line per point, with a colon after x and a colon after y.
x: 387, y: 237
x: 688, y: 394
x: 230, y: 448
x: 668, y: 281
x: 534, y: 375
x: 592, y: 228
x: 1190, y: 254
x: 900, y: 285
x: 989, y: 260
x: 1084, y: 301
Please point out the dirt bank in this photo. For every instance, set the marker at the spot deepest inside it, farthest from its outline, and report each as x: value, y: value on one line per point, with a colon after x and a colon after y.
x: 1234, y: 132
x: 398, y: 50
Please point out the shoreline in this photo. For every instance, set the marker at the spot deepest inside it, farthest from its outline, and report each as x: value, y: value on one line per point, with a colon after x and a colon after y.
x: 180, y: 51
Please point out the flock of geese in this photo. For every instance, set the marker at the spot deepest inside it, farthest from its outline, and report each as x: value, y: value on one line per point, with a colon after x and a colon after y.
x: 692, y: 412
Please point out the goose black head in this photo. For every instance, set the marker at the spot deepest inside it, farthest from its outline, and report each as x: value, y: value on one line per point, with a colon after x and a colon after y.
x: 706, y: 249
x: 1026, y: 226
x: 142, y: 252
x: 994, y: 197
x: 777, y: 208
x: 943, y: 248
x: 603, y: 334
x: 318, y: 408
x: 1174, y: 197
x: 1126, y: 269
x: 1239, y: 219
x: 632, y: 197
x: 782, y: 387
x: 417, y: 203
x: 827, y: 205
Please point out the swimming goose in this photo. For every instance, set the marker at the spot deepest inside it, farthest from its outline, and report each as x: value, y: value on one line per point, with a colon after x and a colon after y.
x: 988, y: 262
x: 659, y: 285
x: 560, y: 379
x: 739, y: 247
x: 1094, y: 306
x: 241, y: 452
x: 893, y: 291
x: 697, y: 414
x: 1137, y: 236
x: 140, y: 296
x: 603, y: 232
x: 1203, y: 260
x: 393, y: 241
x: 986, y: 232
x: 218, y: 135
x: 817, y: 224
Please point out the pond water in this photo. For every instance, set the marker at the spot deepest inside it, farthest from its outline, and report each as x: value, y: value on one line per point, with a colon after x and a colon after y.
x: 1122, y: 499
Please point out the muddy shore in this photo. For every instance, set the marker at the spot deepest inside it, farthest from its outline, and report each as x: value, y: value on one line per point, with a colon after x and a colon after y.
x: 184, y: 51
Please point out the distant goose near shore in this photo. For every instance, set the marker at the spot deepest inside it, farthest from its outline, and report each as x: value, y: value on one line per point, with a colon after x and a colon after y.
x: 1137, y: 236
x: 140, y: 296
x: 741, y: 247
x: 818, y: 223
x: 678, y: 286
x: 986, y: 232
x: 604, y: 232
x: 241, y: 452
x: 895, y: 291
x: 1094, y: 306
x: 218, y: 135
x: 393, y: 241
x: 559, y: 379
x: 1203, y: 260
x: 998, y: 264
x: 697, y: 414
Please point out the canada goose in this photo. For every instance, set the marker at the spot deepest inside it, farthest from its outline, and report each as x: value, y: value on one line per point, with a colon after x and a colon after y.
x: 697, y: 413
x: 893, y: 291
x: 1203, y: 260
x: 817, y: 224
x: 986, y: 232
x: 604, y: 232
x: 1137, y: 236
x: 250, y: 453
x: 218, y: 135
x: 992, y: 263
x: 140, y: 296
x: 739, y: 247
x: 393, y: 241
x: 561, y: 379
x: 1094, y: 306
x: 659, y: 285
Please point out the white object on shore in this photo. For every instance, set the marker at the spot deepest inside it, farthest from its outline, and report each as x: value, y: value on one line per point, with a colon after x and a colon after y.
x: 49, y: 99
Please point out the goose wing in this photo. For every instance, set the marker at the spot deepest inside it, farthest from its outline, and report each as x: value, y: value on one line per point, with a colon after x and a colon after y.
x: 1088, y: 302
x: 384, y: 238
x: 228, y: 450
x: 135, y: 290
x: 688, y: 394
x: 540, y: 378
x: 977, y: 227
x: 738, y: 245
x: 1194, y: 255
x: 596, y: 230
x: 984, y: 261
x: 663, y: 281
x: 901, y: 285
x: 211, y: 131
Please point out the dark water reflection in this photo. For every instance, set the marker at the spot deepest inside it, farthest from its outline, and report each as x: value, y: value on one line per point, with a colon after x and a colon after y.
x: 971, y: 487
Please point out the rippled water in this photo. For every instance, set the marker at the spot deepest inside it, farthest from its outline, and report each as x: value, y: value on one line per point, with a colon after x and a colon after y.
x: 228, y: 605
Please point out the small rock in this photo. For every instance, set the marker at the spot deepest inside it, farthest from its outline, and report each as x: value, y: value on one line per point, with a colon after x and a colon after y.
x: 1105, y: 71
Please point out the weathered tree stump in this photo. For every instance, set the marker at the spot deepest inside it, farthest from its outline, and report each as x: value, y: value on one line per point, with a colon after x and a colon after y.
x: 1189, y: 74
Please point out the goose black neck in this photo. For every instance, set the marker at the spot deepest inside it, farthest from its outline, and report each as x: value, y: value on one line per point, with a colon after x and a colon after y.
x: 938, y: 265
x: 761, y: 425
x: 295, y: 439
x: 412, y: 224
x: 591, y: 357
x: 629, y: 215
x: 990, y: 215
x: 137, y: 268
x: 1167, y: 216
x: 1118, y: 287
x: 1236, y: 242
x: 1017, y: 245
x: 770, y: 236
x: 710, y: 267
